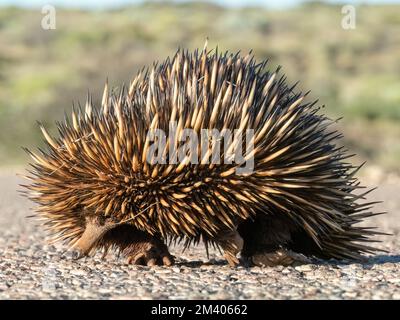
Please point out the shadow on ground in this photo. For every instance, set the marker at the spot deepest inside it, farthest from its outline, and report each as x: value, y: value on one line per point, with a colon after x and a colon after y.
x: 368, y: 263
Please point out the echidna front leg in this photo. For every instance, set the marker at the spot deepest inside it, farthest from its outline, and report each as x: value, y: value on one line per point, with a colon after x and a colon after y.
x: 232, y: 243
x: 138, y: 247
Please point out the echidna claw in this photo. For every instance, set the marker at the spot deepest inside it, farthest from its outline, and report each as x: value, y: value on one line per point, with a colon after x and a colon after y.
x: 168, y: 260
x: 151, y: 262
x: 150, y: 255
x: 137, y: 260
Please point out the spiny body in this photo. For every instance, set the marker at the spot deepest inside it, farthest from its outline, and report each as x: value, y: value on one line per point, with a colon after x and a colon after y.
x: 95, y: 188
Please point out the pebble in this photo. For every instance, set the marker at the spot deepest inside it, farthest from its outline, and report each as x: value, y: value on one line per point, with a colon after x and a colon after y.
x: 304, y: 268
x: 79, y: 272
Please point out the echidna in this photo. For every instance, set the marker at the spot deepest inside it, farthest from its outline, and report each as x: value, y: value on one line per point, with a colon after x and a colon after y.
x: 97, y: 187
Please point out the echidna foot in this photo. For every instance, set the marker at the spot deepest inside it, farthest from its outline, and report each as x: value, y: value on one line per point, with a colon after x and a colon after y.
x: 232, y: 243
x: 148, y: 252
x: 281, y: 257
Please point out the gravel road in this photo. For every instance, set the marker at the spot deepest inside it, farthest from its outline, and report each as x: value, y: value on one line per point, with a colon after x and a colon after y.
x: 32, y: 269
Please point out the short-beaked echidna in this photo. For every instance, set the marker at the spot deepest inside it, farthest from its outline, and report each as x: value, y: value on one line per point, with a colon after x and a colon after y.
x: 96, y: 188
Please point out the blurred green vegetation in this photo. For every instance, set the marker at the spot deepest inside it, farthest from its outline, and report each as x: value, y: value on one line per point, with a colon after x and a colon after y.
x: 355, y: 73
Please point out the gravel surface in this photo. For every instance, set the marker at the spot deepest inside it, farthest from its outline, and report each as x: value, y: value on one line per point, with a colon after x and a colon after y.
x: 32, y: 269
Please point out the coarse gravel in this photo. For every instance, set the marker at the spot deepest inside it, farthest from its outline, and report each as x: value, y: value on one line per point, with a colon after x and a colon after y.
x: 32, y: 269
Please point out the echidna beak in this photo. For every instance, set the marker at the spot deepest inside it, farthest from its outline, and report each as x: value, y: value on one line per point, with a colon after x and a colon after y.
x: 76, y: 255
x: 92, y: 234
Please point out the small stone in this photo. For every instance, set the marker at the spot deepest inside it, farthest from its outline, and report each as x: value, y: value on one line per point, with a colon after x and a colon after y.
x: 78, y: 272
x: 396, y: 296
x: 176, y: 269
x: 350, y: 294
x: 286, y: 271
x: 304, y: 268
x: 162, y: 270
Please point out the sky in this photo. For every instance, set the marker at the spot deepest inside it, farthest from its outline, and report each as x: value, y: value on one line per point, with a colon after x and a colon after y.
x: 114, y: 3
